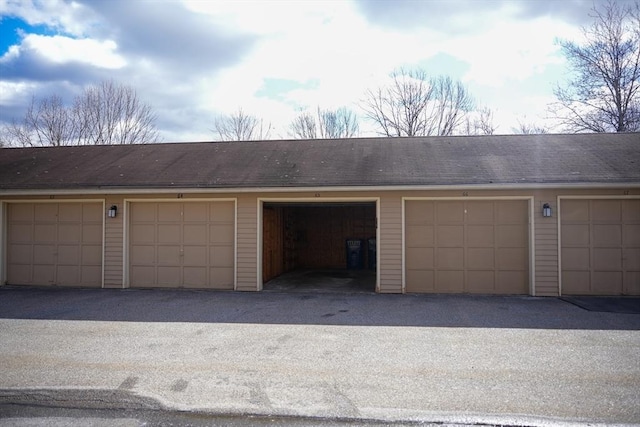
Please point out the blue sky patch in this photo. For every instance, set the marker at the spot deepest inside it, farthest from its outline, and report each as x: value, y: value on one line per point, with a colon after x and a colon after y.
x: 276, y: 88
x: 10, y: 28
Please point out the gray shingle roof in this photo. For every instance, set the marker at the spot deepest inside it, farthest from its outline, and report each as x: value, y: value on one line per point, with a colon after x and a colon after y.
x: 428, y: 161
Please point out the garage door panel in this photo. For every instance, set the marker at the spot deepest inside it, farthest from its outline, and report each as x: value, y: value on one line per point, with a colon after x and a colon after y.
x: 631, y: 259
x: 91, y: 255
x: 606, y: 282
x: 512, y: 236
x: 222, y: 212
x: 46, y: 212
x: 631, y: 235
x: 419, y: 212
x: 631, y: 211
x: 481, y: 282
x: 20, y: 274
x: 512, y: 259
x: 44, y: 254
x: 420, y: 281
x: 169, y: 255
x: 195, y: 277
x: 68, y: 275
x: 169, y: 276
x: 143, y: 233
x: 92, y: 212
x: 141, y: 254
x: 632, y: 283
x: 450, y: 258
x: 21, y: 233
x: 195, y: 255
x: 142, y: 276
x: 606, y: 211
x: 575, y: 210
x: 169, y: 212
x: 68, y: 212
x: 143, y: 212
x: 419, y: 235
x: 43, y: 275
x: 195, y: 234
x: 450, y: 236
x: 20, y: 254
x: 221, y: 256
x: 91, y: 275
x: 450, y: 212
x: 69, y: 255
x: 480, y: 213
x: 91, y: 233
x: 607, y: 259
x: 168, y: 233
x: 45, y: 232
x: 70, y: 233
x: 420, y: 258
x: 512, y: 212
x: 481, y: 258
x: 575, y: 235
x: 575, y: 259
x: 511, y: 282
x: 195, y: 212
x: 480, y: 236
x: 222, y: 278
x: 575, y: 282
x: 221, y: 233
x: 607, y: 235
x: 449, y: 281
x: 21, y: 212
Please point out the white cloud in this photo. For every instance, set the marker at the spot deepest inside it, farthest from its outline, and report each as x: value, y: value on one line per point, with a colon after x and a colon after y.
x: 61, y: 49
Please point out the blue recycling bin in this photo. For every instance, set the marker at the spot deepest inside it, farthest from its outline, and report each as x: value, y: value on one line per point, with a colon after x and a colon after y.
x: 371, y: 254
x: 354, y: 254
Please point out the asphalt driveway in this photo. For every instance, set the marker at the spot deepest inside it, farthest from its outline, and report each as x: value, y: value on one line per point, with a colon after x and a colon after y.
x: 509, y: 360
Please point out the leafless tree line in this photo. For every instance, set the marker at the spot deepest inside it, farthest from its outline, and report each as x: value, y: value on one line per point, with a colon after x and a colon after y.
x: 101, y: 115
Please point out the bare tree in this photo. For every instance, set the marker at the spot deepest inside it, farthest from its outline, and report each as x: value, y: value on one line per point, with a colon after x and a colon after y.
x: 603, y: 96
x: 109, y: 114
x: 328, y: 124
x: 415, y: 105
x: 104, y: 114
x: 240, y: 126
x: 527, y: 128
x: 480, y: 123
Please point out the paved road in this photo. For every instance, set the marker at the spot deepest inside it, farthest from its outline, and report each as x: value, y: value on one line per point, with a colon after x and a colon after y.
x: 520, y: 361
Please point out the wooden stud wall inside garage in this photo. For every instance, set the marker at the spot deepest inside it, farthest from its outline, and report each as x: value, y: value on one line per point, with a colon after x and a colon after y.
x: 55, y: 243
x: 600, y: 246
x: 456, y: 246
x: 313, y: 236
x: 182, y: 244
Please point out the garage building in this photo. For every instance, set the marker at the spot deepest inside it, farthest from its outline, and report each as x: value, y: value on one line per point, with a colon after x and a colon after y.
x: 541, y: 215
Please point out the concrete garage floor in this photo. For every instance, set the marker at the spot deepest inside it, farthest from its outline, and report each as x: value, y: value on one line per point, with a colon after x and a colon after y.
x: 336, y: 280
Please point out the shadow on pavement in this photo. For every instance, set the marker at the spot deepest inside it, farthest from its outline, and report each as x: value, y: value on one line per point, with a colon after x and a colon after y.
x: 357, y: 309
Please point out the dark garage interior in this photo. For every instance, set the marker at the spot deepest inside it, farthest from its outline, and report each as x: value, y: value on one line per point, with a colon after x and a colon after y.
x: 319, y: 245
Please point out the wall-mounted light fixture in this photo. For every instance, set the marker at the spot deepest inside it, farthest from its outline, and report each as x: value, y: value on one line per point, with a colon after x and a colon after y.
x: 546, y: 210
x: 113, y: 210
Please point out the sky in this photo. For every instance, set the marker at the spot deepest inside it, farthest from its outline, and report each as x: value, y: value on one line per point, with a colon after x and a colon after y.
x: 194, y: 60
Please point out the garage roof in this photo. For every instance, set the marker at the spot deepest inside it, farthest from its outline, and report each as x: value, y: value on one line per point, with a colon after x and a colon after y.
x: 424, y: 161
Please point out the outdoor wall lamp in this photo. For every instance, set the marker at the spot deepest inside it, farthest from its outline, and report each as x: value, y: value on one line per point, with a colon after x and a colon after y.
x: 113, y: 210
x: 546, y: 210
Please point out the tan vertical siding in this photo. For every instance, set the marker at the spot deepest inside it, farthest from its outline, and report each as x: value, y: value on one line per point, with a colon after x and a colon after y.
x: 113, y: 244
x: 546, y: 256
x: 390, y: 246
x: 247, y: 234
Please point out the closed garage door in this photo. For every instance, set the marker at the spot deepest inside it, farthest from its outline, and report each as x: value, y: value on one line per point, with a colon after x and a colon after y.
x: 467, y: 247
x: 188, y: 245
x: 600, y: 247
x: 54, y: 244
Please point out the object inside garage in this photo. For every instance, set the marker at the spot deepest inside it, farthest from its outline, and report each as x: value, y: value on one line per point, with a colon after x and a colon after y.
x: 323, y: 246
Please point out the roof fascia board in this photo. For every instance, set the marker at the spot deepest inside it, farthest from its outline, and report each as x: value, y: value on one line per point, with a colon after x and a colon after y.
x: 187, y: 190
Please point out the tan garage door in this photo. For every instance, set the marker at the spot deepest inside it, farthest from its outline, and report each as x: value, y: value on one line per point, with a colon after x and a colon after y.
x: 467, y: 247
x: 54, y: 244
x: 188, y: 245
x: 600, y: 247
